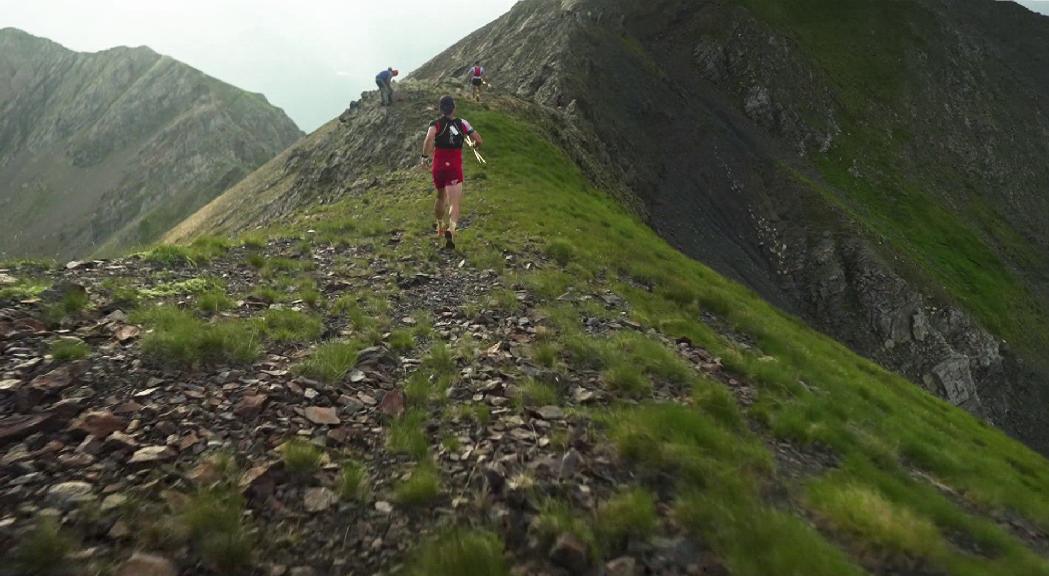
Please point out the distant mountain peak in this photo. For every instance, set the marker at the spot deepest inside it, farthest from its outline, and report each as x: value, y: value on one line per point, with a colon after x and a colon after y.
x: 106, y: 150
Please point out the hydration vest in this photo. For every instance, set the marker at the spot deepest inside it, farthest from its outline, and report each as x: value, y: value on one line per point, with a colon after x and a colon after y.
x: 451, y: 134
x: 478, y: 71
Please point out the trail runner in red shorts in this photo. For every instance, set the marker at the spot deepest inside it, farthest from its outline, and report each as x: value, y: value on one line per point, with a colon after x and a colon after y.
x: 443, y: 148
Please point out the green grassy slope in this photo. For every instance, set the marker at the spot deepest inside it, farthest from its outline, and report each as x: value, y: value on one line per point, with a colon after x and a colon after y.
x: 959, y: 244
x: 908, y: 481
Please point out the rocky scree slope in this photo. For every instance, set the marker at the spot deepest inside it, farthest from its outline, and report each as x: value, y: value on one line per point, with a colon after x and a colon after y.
x: 106, y: 151
x: 566, y: 395
x: 873, y: 167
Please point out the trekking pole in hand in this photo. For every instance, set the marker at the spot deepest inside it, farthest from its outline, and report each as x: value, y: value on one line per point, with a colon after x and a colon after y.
x: 470, y: 143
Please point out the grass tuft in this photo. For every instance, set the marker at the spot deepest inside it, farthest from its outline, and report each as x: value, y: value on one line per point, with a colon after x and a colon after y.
x: 287, y: 326
x: 66, y: 349
x: 407, y: 435
x: 178, y: 339
x: 879, y: 527
x: 422, y: 487
x: 214, y: 521
x: 44, y: 550
x: 331, y: 361
x: 353, y: 481
x: 460, y: 552
x: 629, y: 514
x: 561, y: 251
x: 301, y: 457
x: 213, y: 302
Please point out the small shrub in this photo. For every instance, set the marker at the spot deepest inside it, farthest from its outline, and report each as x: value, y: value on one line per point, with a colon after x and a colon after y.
x: 459, y: 552
x: 290, y: 326
x: 331, y: 362
x: 420, y: 489
x: 44, y: 550
x: 67, y: 349
x: 353, y: 481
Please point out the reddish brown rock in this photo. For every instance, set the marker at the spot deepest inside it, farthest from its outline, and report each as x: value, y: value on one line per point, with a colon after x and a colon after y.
x: 100, y: 423
x: 259, y: 481
x: 15, y: 428
x: 320, y: 415
x: 250, y: 406
x: 54, y: 381
x: 392, y: 403
x: 126, y: 332
x: 570, y: 553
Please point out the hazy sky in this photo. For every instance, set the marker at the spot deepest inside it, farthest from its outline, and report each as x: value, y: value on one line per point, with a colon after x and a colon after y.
x: 1037, y: 5
x: 310, y: 57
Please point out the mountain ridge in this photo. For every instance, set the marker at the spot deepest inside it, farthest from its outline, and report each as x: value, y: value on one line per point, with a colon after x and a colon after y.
x: 565, y: 394
x: 789, y: 182
x: 94, y: 152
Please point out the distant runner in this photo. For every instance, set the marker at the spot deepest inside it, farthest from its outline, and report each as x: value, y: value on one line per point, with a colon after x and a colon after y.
x: 477, y: 80
x: 443, y: 149
x: 384, y: 80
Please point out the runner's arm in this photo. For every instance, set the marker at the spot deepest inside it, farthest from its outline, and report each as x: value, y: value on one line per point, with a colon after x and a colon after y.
x: 478, y: 141
x: 428, y: 142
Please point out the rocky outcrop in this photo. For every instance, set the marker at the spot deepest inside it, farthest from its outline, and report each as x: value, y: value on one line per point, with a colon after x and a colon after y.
x: 105, y: 151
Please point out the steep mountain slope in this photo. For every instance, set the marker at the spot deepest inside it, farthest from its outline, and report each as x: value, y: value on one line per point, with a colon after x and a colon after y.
x: 104, y: 151
x: 568, y: 394
x: 875, y: 167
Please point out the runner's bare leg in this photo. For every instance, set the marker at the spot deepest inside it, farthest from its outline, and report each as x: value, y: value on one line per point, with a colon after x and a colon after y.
x: 440, y: 210
x: 454, y: 194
